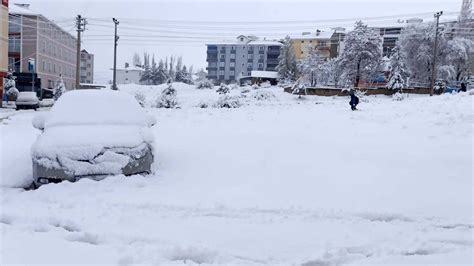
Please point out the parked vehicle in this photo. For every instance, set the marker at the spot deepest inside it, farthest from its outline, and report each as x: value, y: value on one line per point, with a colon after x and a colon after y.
x: 27, y: 100
x: 451, y: 89
x: 92, y: 134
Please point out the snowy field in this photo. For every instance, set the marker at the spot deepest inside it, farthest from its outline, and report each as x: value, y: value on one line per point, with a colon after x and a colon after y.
x: 279, y: 181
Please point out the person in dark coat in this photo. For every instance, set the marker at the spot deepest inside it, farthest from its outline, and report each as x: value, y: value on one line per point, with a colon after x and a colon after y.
x: 354, y: 100
x: 463, y: 87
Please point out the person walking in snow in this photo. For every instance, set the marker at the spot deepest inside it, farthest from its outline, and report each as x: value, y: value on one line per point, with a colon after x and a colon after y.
x: 354, y: 100
x: 463, y: 87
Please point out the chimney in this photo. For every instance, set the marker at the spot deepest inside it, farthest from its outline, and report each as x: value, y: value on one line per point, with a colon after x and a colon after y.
x: 126, y: 65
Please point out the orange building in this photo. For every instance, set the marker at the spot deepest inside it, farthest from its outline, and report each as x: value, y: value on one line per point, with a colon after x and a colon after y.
x: 320, y: 40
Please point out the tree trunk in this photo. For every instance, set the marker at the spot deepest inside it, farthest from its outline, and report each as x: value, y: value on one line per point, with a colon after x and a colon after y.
x: 356, y: 85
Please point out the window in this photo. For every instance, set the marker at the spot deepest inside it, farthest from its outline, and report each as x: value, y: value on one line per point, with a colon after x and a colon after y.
x: 261, y: 56
x: 249, y: 65
x: 212, y: 64
x: 222, y: 56
x: 14, y: 44
x: 250, y: 56
x: 232, y: 48
x: 54, y: 68
x: 232, y: 56
x: 260, y: 65
x: 44, y: 46
x: 222, y: 64
x: 241, y: 39
x: 212, y: 72
x: 221, y: 72
x: 261, y: 48
x: 231, y: 73
x: 232, y: 64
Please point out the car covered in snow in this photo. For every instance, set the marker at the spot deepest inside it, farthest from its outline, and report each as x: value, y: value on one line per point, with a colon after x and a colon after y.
x: 92, y: 134
x: 27, y: 100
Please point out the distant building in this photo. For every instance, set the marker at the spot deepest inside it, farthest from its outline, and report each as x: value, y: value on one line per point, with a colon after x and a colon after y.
x: 87, y: 67
x: 3, y: 44
x: 128, y: 74
x: 31, y: 35
x: 304, y: 42
x: 337, y: 41
x: 229, y: 61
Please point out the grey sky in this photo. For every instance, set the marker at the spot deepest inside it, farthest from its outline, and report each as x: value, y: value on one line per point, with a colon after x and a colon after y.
x: 196, y: 22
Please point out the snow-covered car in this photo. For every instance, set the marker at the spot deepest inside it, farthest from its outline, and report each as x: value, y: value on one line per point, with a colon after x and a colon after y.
x: 92, y: 134
x: 27, y: 100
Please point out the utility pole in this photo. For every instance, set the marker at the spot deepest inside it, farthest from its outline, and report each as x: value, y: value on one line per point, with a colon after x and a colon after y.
x: 435, y: 52
x: 116, y: 38
x: 81, y: 26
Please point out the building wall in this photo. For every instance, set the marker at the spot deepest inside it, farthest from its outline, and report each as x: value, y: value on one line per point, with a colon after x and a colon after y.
x: 87, y: 68
x: 301, y: 47
x: 229, y: 62
x: 52, y: 48
x: 128, y: 76
x: 3, y: 43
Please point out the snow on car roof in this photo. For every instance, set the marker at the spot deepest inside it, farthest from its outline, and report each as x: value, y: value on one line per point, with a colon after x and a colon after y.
x: 90, y: 107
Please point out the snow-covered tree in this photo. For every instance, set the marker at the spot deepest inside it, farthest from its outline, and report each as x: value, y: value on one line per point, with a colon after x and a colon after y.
x: 140, y: 97
x: 204, y: 84
x: 300, y: 90
x: 168, y: 97
x: 136, y: 61
x: 310, y: 67
x: 417, y: 42
x: 362, y: 55
x: 146, y: 75
x: 59, y: 88
x: 459, y: 50
x: 223, y: 89
x: 201, y: 74
x: 439, y: 86
x: 287, y: 66
x: 398, y: 70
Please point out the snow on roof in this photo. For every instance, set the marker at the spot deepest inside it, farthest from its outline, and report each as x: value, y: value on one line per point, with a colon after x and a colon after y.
x: 253, y: 40
x: 18, y: 10
x: 130, y: 68
x: 313, y: 36
x: 264, y: 74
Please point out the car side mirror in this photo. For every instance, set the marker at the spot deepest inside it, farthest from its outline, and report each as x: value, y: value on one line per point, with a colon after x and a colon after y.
x: 39, y: 121
x: 151, y: 120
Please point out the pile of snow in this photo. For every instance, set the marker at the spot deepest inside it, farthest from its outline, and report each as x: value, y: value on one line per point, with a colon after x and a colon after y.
x: 389, y: 184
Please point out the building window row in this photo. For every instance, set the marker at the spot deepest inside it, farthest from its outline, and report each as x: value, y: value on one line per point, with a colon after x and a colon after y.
x: 56, y: 51
x: 53, y: 68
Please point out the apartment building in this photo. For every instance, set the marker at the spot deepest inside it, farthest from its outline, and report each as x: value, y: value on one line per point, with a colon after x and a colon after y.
x: 3, y: 44
x: 87, y: 67
x: 320, y: 40
x: 31, y: 35
x: 232, y: 60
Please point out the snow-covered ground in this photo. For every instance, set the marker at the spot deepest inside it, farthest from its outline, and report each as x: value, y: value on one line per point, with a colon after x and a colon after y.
x: 278, y: 181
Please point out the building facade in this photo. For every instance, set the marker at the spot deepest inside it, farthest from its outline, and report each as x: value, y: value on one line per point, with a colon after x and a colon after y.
x: 318, y: 40
x: 128, y: 74
x: 31, y: 35
x: 3, y: 44
x: 230, y: 61
x: 87, y: 67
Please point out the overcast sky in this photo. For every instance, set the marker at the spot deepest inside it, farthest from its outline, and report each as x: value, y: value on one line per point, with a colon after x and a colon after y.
x: 183, y: 27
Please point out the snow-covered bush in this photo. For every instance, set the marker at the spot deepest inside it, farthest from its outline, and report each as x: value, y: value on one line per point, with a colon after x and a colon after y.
x: 262, y: 95
x: 439, y: 86
x: 227, y: 101
x: 266, y: 84
x: 245, y: 89
x: 204, y: 84
x: 168, y: 97
x: 59, y: 88
x: 203, y: 104
x: 255, y: 86
x: 300, y: 90
x: 10, y: 87
x: 233, y: 86
x: 140, y: 97
x: 398, y: 96
x: 223, y: 89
